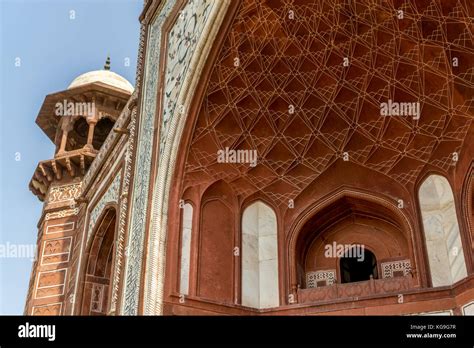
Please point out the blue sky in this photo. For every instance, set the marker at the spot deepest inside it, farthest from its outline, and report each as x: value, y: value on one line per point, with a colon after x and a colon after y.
x: 53, y: 49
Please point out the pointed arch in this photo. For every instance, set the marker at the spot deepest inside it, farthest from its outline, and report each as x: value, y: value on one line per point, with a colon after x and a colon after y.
x: 348, y: 217
x: 99, y: 266
x: 216, y: 244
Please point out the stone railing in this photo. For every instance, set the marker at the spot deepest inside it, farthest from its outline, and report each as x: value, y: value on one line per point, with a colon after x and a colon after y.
x: 359, y: 289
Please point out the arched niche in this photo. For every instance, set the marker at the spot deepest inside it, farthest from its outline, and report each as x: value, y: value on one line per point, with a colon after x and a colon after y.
x: 345, y: 222
x: 441, y: 231
x: 216, y: 244
x: 259, y: 257
x: 99, y: 266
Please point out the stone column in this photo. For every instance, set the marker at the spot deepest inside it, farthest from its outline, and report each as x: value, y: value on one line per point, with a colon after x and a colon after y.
x: 90, y: 134
x: 91, y: 121
x: 66, y: 126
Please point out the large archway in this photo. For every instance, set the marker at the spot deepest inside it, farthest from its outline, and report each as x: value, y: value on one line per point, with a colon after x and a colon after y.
x: 346, y: 223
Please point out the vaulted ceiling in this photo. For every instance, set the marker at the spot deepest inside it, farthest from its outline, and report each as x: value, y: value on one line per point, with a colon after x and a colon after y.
x: 282, y: 56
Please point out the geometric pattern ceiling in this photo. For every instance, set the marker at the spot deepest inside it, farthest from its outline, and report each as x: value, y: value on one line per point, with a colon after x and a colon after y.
x: 290, y: 57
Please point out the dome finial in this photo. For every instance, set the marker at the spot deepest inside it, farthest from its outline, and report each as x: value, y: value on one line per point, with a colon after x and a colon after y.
x: 107, y: 63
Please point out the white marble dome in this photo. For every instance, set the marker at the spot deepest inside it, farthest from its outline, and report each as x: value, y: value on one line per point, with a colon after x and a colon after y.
x: 105, y: 76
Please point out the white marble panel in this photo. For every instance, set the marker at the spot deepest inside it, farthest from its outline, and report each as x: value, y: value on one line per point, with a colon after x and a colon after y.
x: 250, y: 288
x: 441, y: 229
x: 188, y: 216
x: 259, y: 257
x: 468, y: 309
x: 269, y: 294
x: 267, y: 225
x: 267, y: 246
x: 186, y: 234
x: 439, y: 263
x: 440, y: 313
x: 249, y: 252
x: 249, y: 221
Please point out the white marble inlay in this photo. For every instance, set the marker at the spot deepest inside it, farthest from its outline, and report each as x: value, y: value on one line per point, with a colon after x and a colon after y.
x: 326, y: 276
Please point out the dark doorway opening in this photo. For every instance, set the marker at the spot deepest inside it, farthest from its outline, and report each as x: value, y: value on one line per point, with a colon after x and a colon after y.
x: 356, y: 269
